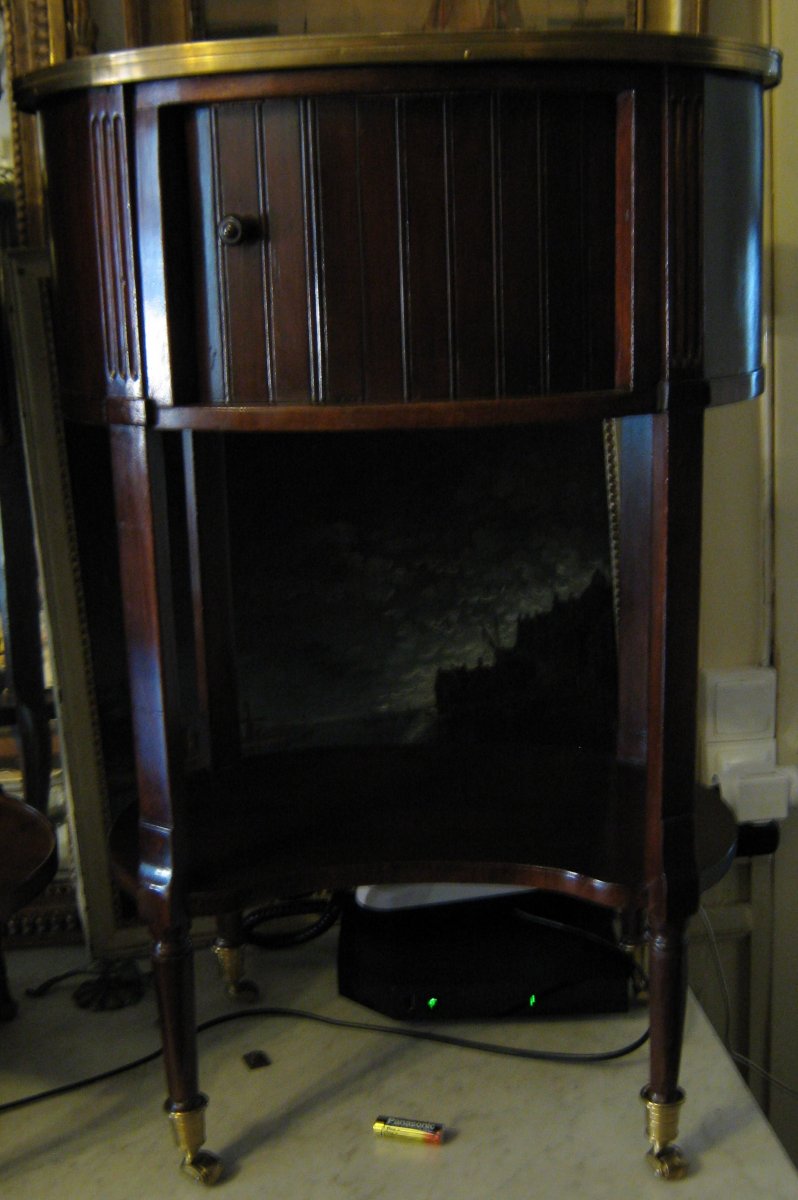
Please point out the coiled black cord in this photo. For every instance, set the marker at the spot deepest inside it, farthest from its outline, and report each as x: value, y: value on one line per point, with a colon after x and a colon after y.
x: 327, y: 907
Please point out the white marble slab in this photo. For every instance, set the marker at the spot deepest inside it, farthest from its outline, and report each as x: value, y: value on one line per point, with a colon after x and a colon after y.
x: 300, y: 1129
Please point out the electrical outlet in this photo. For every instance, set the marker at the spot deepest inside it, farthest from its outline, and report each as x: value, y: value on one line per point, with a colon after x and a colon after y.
x: 737, y: 705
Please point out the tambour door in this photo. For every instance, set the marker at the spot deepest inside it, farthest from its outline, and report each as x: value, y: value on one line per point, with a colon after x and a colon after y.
x: 363, y: 249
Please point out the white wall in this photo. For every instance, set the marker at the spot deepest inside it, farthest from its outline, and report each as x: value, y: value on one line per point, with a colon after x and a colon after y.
x: 784, y: 1056
x: 736, y: 578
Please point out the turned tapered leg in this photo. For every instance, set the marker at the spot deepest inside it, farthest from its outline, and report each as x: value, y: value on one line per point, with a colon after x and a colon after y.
x: 173, y: 968
x: 229, y: 951
x: 659, y: 577
x: 142, y: 513
x: 663, y: 1097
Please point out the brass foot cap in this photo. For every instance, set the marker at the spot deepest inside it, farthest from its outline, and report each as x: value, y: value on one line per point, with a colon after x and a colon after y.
x: 204, y: 1167
x: 243, y: 989
x: 667, y: 1163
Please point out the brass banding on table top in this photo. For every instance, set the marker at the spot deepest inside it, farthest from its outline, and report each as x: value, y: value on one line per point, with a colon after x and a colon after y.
x: 188, y: 59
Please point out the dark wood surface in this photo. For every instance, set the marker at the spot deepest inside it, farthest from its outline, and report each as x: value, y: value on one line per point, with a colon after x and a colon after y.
x: 28, y: 861
x: 334, y: 817
x: 27, y: 854
x: 519, y: 236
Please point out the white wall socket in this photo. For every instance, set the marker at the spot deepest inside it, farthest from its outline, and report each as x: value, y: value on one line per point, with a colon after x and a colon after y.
x: 737, y: 705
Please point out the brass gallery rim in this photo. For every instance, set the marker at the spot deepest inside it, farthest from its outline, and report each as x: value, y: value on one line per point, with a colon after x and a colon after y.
x: 187, y: 59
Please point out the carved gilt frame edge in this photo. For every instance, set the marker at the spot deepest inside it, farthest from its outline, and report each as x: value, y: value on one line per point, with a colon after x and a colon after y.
x: 38, y: 33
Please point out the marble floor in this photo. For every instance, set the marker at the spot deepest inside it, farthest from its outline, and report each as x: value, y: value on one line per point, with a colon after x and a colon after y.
x: 301, y: 1128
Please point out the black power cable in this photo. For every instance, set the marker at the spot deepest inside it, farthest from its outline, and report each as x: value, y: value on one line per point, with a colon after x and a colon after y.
x: 328, y: 909
x: 341, y: 1023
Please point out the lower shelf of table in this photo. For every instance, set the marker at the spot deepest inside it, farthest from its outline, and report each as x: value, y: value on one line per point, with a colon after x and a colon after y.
x: 291, y: 821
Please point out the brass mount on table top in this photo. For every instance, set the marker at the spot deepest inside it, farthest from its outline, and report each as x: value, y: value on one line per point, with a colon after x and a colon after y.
x: 186, y: 59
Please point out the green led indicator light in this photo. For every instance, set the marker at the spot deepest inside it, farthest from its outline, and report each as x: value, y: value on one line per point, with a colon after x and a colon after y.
x: 433, y: 1000
x: 533, y: 1001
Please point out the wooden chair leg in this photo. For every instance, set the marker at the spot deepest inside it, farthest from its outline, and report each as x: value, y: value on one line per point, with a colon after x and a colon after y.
x: 173, y: 968
x: 663, y: 1097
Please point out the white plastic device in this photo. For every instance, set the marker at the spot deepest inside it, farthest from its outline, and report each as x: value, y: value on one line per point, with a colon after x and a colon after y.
x: 737, y: 743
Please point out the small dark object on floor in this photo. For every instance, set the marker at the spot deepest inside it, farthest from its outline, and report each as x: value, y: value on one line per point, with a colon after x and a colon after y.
x: 256, y: 1058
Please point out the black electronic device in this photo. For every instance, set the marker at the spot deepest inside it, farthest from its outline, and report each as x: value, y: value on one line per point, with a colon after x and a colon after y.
x: 535, y: 954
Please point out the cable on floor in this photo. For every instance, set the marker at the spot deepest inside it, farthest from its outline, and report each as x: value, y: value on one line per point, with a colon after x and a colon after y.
x: 342, y: 1023
x: 327, y: 909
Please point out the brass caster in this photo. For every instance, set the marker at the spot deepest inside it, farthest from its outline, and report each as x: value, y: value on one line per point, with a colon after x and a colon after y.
x: 230, y: 960
x: 668, y: 1163
x: 204, y: 1167
x: 662, y: 1126
x: 189, y: 1130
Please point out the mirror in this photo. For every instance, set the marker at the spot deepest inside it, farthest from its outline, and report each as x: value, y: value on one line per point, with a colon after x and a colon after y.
x: 241, y: 18
x: 149, y: 23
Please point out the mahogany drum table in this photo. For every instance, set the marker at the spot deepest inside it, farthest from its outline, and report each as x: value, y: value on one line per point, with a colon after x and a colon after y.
x: 317, y: 237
